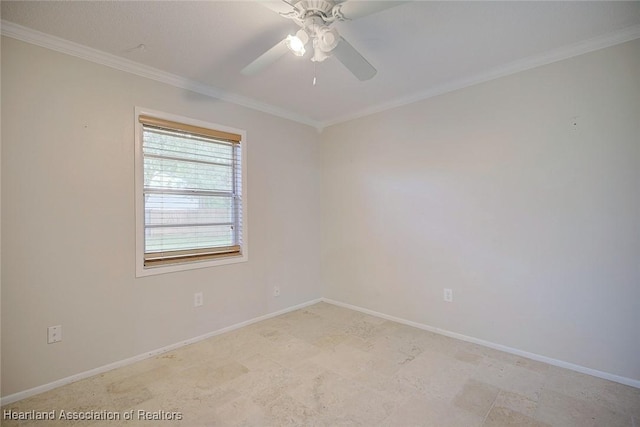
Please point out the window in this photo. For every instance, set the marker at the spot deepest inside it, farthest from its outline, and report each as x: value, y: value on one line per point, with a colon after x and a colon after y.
x: 190, y: 207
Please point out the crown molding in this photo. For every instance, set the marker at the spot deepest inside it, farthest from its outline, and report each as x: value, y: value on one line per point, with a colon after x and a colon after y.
x: 58, y: 44
x: 38, y: 38
x: 565, y: 52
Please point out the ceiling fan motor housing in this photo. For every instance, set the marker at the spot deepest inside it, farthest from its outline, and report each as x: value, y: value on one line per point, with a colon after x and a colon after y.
x: 320, y: 8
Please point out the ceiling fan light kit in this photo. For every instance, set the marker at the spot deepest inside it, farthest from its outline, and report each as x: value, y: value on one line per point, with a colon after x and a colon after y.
x: 315, y: 18
x: 297, y: 43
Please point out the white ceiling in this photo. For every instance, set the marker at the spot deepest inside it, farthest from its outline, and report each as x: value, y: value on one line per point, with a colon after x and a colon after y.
x: 419, y: 48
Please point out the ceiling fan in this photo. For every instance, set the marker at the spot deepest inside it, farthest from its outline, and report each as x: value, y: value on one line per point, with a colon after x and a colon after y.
x: 315, y: 18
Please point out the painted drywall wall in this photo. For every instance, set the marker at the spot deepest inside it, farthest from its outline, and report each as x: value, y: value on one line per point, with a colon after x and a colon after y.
x: 68, y: 220
x: 521, y: 194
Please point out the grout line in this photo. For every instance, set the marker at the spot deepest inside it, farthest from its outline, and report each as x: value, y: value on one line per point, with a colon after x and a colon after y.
x: 484, y: 420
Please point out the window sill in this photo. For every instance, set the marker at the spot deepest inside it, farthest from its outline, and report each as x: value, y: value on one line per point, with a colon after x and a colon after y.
x: 142, y: 271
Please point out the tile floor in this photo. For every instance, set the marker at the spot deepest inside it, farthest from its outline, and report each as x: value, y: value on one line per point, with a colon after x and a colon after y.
x: 328, y: 366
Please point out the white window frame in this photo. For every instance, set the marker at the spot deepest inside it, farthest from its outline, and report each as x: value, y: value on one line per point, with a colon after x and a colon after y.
x: 141, y: 270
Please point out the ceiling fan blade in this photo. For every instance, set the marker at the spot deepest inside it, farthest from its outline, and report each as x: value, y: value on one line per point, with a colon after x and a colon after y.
x: 354, y: 9
x: 266, y: 59
x: 278, y: 6
x: 354, y: 62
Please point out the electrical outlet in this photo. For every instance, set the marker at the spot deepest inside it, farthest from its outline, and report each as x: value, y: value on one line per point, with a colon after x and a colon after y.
x: 448, y: 295
x: 54, y: 334
x: 276, y: 291
x: 198, y: 299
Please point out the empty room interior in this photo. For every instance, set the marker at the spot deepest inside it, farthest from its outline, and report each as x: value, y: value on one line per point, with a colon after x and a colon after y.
x: 320, y: 213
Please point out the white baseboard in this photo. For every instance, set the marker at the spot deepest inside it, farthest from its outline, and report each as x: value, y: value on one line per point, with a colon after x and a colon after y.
x: 555, y: 362
x: 77, y: 377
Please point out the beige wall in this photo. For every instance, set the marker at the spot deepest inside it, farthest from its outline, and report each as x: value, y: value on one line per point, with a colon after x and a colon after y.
x: 534, y: 222
x: 68, y: 220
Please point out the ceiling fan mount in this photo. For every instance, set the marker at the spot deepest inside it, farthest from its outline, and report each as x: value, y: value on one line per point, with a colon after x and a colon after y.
x: 327, y: 10
x: 315, y: 18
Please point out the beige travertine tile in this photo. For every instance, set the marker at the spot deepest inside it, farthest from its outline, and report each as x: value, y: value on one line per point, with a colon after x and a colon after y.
x: 439, y: 343
x: 313, y: 331
x: 265, y: 381
x: 290, y: 351
x: 191, y: 400
x: 436, y: 375
x: 329, y: 366
x: 331, y: 312
x: 476, y: 397
x: 516, y: 402
x: 362, y: 317
x: 431, y: 413
x: 329, y: 340
x: 367, y: 409
x: 395, y: 385
x: 403, y: 343
x: 511, y: 377
x: 308, y: 370
x: 287, y: 411
x: 343, y: 359
x: 206, y: 377
x: 371, y: 406
x: 238, y: 343
x: 468, y: 357
x: 560, y: 410
x: 136, y: 380
x: 393, y: 348
x: 132, y: 397
x: 355, y: 342
x: 326, y: 392
x: 304, y: 316
x: 619, y: 397
x: 365, y: 359
x: 506, y: 358
x: 239, y: 412
x: 503, y: 417
x: 365, y: 329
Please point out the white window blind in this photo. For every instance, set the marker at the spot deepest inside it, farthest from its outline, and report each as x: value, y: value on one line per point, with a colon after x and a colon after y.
x: 192, y: 193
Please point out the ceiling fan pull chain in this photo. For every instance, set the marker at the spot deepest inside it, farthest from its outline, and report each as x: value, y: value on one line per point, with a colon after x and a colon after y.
x: 314, y: 73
